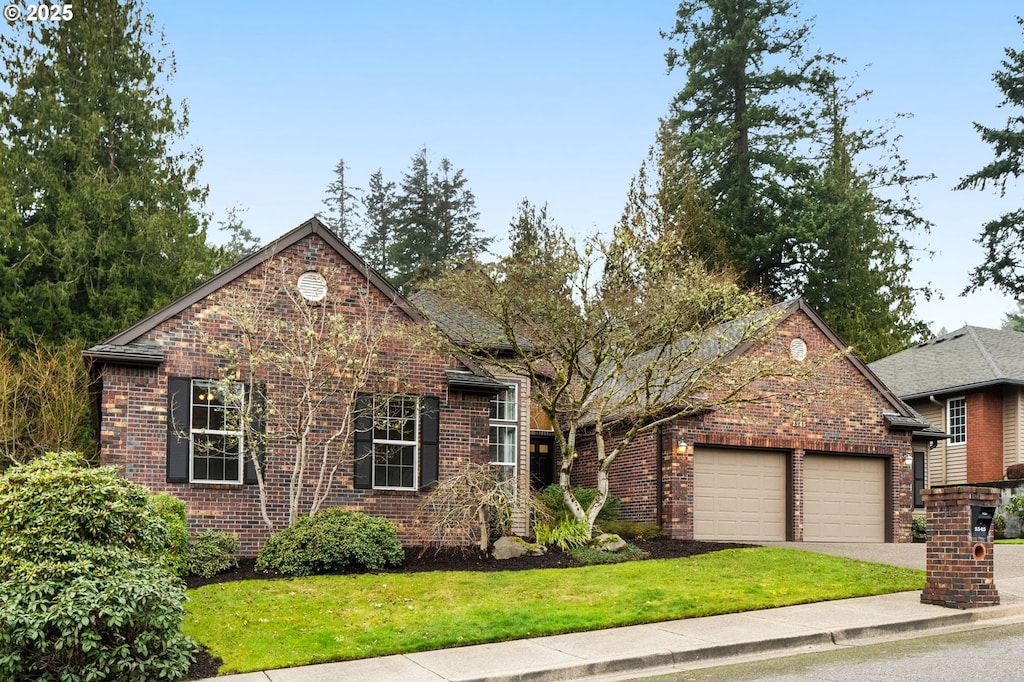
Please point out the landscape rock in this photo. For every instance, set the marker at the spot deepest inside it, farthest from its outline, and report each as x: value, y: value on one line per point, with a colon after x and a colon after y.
x: 509, y: 547
x: 608, y: 542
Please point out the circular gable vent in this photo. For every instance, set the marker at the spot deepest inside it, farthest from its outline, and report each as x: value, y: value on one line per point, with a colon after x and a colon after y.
x: 798, y: 350
x: 312, y: 286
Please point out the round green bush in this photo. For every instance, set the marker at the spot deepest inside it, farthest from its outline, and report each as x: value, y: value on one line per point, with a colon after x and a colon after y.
x: 55, y: 503
x: 110, y: 615
x: 212, y: 552
x: 331, y: 541
x: 84, y: 593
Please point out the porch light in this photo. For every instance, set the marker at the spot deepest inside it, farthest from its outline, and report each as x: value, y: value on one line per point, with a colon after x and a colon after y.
x: 684, y: 448
x: 909, y: 460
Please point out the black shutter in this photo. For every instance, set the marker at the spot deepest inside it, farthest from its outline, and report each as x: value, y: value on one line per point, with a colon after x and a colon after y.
x: 363, y: 422
x: 257, y: 435
x: 430, y: 437
x: 179, y: 404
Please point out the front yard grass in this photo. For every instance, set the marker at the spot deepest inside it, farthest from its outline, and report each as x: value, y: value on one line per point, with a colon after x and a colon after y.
x: 267, y: 624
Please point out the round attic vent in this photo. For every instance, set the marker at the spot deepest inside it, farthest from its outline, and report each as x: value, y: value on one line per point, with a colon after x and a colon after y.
x: 312, y: 286
x: 798, y: 350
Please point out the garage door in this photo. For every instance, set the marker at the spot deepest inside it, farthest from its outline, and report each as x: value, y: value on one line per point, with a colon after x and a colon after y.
x: 739, y: 495
x: 844, y: 499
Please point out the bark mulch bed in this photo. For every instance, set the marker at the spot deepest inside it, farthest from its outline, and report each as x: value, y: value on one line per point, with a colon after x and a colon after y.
x: 431, y: 559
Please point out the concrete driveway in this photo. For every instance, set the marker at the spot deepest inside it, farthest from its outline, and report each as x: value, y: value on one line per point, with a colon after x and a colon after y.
x: 1009, y: 559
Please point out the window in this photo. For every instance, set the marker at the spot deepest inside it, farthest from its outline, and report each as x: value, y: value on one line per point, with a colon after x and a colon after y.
x: 956, y: 420
x: 215, y: 432
x: 207, y: 433
x: 504, y: 422
x: 918, y: 479
x: 387, y: 452
x: 395, y: 442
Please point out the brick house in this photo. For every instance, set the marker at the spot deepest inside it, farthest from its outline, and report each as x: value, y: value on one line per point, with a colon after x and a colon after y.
x: 971, y: 383
x: 832, y: 468
x: 172, y: 390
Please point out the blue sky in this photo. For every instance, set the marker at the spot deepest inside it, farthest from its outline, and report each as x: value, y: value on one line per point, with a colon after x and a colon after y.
x: 555, y: 101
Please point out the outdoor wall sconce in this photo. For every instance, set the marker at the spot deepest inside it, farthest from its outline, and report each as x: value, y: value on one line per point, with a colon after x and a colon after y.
x: 909, y: 460
x: 684, y: 448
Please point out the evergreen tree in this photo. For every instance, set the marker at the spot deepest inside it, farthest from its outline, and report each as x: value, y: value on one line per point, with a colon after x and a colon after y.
x: 532, y: 233
x: 342, y: 215
x: 380, y: 210
x: 1015, y: 321
x: 856, y: 269
x: 241, y: 241
x: 740, y: 121
x: 105, y: 224
x: 437, y: 222
x: 1003, y: 238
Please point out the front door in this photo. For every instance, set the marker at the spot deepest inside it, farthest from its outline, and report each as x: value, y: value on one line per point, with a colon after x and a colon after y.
x: 542, y: 461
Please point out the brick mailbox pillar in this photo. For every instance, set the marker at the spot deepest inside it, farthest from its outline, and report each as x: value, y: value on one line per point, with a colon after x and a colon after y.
x: 959, y: 549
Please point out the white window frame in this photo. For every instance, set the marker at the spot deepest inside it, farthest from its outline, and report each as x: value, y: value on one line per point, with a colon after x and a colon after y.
x: 209, y: 387
x: 382, y: 415
x: 504, y: 421
x: 959, y: 434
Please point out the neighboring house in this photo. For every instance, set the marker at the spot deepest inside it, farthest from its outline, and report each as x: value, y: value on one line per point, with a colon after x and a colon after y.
x: 827, y: 463
x: 970, y: 383
x: 167, y: 420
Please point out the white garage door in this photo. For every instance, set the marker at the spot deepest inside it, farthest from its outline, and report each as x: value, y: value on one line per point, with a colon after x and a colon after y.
x: 844, y: 499
x: 739, y: 495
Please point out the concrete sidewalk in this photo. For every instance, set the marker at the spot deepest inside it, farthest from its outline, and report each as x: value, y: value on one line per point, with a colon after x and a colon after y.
x: 620, y: 653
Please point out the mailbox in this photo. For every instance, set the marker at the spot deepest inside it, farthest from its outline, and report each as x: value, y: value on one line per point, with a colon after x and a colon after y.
x: 981, y: 521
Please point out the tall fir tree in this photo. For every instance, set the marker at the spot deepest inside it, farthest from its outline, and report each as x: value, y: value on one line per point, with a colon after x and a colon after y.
x: 436, y: 222
x: 380, y: 222
x: 1003, y: 237
x: 740, y: 121
x: 342, y: 215
x: 107, y: 222
x: 856, y: 268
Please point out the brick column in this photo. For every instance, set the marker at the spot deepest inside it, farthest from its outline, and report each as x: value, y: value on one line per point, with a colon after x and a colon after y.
x: 959, y: 565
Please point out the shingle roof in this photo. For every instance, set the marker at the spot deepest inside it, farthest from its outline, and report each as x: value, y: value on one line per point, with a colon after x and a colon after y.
x: 462, y: 325
x: 970, y: 357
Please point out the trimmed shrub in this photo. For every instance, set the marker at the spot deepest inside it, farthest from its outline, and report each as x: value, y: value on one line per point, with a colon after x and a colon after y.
x: 331, y: 541
x: 551, y: 501
x: 212, y: 552
x: 83, y: 592
x: 111, y: 615
x: 171, y: 511
x: 919, y: 528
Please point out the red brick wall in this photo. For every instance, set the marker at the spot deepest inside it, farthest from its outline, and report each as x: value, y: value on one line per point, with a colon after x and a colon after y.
x: 985, y: 435
x: 838, y: 412
x: 134, y: 405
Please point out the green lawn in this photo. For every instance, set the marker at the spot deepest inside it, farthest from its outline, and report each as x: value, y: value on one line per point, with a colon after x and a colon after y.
x: 267, y: 624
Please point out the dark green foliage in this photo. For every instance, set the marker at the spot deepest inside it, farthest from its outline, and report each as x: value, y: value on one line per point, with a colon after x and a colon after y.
x: 330, y: 541
x: 590, y: 556
x: 99, y: 219
x: 550, y: 500
x: 631, y: 530
x: 1003, y: 237
x: 437, y: 222
x: 342, y: 215
x: 919, y: 528
x: 55, y: 506
x: 109, y: 615
x: 380, y: 211
x: 171, y: 511
x: 83, y: 593
x: 212, y: 552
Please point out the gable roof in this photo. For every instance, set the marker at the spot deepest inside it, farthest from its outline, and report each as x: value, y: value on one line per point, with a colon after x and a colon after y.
x: 968, y: 358
x: 313, y: 226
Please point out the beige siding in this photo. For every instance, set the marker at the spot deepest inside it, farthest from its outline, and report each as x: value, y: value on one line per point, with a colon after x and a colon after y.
x: 1012, y: 401
x: 936, y: 470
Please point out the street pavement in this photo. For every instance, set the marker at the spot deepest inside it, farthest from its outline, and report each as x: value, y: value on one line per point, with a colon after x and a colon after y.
x: 658, y: 648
